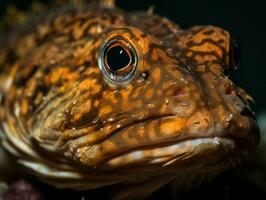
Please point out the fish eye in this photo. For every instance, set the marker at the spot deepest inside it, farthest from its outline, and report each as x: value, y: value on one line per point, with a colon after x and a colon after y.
x: 118, y: 61
x: 234, y: 53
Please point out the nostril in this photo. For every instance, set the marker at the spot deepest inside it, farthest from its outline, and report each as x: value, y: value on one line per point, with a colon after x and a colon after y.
x: 247, y: 112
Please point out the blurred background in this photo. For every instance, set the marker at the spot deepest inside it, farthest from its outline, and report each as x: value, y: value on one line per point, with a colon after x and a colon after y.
x: 246, y: 21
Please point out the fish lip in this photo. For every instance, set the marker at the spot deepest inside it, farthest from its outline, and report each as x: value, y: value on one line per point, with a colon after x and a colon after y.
x: 225, y: 144
x: 242, y: 143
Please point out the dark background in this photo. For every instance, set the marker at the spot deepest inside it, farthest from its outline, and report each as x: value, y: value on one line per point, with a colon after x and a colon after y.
x: 246, y: 21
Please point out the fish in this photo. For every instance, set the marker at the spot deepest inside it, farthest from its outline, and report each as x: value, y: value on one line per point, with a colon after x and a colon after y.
x: 93, y: 96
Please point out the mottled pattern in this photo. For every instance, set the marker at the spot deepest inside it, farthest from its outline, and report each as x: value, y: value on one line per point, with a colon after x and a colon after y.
x: 69, y: 126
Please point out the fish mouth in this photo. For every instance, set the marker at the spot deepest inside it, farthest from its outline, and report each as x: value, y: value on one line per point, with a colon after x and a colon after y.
x: 197, y: 153
x: 214, y: 146
x: 163, y: 141
x: 171, y: 129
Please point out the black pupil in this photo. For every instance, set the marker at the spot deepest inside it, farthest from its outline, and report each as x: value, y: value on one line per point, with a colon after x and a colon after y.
x: 117, y: 58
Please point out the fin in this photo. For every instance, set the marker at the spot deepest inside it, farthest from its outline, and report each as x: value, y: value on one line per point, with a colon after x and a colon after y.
x: 104, y: 3
x: 151, y: 9
x: 108, y: 3
x: 14, y: 16
x: 246, y: 96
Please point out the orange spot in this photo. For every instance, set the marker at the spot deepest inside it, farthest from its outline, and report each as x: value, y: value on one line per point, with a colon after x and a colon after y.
x: 136, y: 92
x: 24, y: 106
x: 154, y: 55
x: 152, y: 131
x: 138, y: 103
x: 61, y: 73
x: 31, y: 85
x: 125, y: 95
x: 105, y: 110
x: 172, y: 126
x: 110, y: 96
x: 149, y: 93
x: 189, y: 54
x: 79, y: 111
x: 205, y: 58
x: 90, y: 84
x: 38, y: 98
x: 92, y: 70
x: 156, y: 74
x: 96, y: 103
x: 208, y: 47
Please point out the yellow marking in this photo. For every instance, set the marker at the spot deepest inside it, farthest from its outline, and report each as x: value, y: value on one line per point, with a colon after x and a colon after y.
x: 96, y: 29
x: 205, y: 58
x: 107, y: 3
x: 110, y: 96
x: 172, y: 126
x: 96, y: 103
x: 78, y: 111
x: 156, y: 74
x: 208, y: 47
x: 38, y: 98
x: 24, y: 106
x: 30, y: 88
x: 159, y: 53
x: 105, y: 110
x: 151, y: 128
x: 90, y: 84
x: 154, y: 55
x: 78, y: 30
x: 149, y: 93
x: 189, y: 54
x: 60, y: 73
x: 137, y: 103
x: 91, y: 70
x: 159, y: 92
x: 125, y: 103
x: 136, y: 92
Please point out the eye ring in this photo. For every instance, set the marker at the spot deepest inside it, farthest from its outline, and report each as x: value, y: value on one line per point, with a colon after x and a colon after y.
x: 118, y: 61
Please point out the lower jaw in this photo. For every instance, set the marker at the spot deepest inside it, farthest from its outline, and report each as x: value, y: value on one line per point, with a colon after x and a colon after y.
x: 193, y: 154
x: 201, y: 150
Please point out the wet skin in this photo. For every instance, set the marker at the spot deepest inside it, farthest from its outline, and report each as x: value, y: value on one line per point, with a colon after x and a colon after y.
x: 95, y: 96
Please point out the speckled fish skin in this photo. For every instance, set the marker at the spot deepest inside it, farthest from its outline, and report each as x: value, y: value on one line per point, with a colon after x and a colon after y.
x: 179, y: 117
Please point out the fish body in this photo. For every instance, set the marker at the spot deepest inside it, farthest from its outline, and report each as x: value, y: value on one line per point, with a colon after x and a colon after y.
x: 94, y: 96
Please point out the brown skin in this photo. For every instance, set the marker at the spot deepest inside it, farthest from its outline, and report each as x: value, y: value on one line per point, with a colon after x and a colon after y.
x: 59, y: 110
